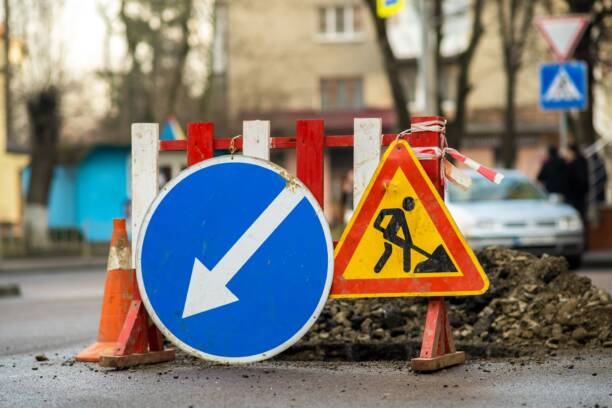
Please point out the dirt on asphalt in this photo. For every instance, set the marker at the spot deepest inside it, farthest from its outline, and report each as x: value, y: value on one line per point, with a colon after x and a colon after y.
x: 533, y: 305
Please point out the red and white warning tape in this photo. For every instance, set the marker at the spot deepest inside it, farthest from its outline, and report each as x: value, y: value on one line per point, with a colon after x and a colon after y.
x: 429, y: 153
x: 452, y: 173
x: 488, y: 173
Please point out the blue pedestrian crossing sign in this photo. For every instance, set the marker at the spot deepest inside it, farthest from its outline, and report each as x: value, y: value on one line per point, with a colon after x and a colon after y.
x: 563, y: 86
x: 234, y: 259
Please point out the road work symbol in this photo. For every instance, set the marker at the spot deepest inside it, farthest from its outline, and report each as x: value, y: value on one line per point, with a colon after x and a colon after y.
x: 234, y: 260
x: 401, y: 240
x: 437, y: 261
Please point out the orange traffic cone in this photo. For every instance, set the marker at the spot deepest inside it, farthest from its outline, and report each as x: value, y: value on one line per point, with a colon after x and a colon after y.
x: 118, y: 294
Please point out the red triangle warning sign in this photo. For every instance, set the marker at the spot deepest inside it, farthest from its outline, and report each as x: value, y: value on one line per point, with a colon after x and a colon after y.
x: 401, y: 240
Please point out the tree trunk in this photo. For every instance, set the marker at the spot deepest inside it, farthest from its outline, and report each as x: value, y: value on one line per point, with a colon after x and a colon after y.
x: 177, y: 80
x: 392, y: 69
x: 587, y: 50
x: 456, y: 127
x: 44, y: 117
x: 440, y: 71
x: 508, y: 148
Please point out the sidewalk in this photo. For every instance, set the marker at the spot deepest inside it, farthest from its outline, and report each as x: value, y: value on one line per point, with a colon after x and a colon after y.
x: 47, y: 264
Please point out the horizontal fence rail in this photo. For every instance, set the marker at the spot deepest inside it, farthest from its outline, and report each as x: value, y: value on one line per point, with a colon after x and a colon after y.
x: 309, y: 143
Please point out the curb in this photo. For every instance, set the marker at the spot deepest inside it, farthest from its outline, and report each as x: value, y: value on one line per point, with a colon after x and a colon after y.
x: 50, y: 264
x: 597, y: 259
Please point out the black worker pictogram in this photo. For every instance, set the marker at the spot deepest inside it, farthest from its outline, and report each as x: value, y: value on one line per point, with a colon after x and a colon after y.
x: 438, y: 261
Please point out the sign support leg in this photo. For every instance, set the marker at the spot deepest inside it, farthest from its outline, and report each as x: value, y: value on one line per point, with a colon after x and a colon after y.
x: 438, y: 347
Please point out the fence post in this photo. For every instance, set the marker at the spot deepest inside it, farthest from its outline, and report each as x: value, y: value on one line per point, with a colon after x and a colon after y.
x: 256, y: 139
x: 145, y: 180
x: 309, y: 151
x: 200, y: 136
x: 366, y: 154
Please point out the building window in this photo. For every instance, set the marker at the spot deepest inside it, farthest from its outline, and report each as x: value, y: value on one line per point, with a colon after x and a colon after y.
x: 340, y: 23
x: 341, y: 93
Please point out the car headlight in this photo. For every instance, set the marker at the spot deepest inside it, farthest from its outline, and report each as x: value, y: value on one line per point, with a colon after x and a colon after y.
x: 570, y: 223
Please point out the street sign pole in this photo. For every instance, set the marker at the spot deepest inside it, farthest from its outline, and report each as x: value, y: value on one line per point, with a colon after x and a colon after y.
x: 563, y: 130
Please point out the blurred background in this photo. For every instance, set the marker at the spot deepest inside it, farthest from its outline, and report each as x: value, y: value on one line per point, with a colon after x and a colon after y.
x: 75, y: 74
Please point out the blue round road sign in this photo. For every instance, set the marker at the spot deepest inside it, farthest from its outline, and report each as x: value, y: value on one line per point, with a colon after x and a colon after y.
x: 234, y: 259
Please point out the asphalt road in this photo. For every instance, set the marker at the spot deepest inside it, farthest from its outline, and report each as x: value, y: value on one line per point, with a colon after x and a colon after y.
x: 56, y: 310
x: 57, y: 315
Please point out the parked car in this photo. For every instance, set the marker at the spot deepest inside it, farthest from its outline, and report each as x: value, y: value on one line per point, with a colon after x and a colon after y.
x: 516, y: 214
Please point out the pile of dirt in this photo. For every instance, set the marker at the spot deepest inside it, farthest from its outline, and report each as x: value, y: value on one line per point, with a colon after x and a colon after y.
x: 532, y: 303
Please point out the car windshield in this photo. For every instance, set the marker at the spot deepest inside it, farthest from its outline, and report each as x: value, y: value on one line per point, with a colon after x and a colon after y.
x: 511, y: 188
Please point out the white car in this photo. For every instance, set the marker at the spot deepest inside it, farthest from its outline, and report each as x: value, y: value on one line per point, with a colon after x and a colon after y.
x: 516, y: 214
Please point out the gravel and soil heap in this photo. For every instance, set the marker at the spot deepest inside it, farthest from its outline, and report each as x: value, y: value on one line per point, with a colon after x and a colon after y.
x: 531, y: 303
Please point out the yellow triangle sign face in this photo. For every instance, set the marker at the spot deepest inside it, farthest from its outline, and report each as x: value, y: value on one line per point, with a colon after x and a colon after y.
x: 401, y: 240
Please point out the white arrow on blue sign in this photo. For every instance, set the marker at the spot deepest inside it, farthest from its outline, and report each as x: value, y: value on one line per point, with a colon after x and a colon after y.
x: 563, y: 86
x: 234, y: 260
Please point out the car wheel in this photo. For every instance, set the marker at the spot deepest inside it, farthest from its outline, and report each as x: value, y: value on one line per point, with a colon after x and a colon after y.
x: 574, y: 261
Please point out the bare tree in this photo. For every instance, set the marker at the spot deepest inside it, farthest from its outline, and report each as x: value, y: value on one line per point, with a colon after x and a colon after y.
x: 392, y: 69
x: 589, y: 50
x: 183, y: 51
x: 514, y: 17
x: 154, y: 82
x: 39, y: 89
x: 457, y: 127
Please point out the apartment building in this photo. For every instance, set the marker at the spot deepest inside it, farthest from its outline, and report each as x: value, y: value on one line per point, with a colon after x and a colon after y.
x: 12, y: 162
x: 283, y: 60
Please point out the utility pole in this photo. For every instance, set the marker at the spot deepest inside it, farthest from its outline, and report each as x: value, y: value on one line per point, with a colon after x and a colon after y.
x: 428, y: 70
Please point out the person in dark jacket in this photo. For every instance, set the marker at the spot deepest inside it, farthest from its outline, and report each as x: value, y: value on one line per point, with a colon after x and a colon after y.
x: 578, y: 180
x: 553, y: 174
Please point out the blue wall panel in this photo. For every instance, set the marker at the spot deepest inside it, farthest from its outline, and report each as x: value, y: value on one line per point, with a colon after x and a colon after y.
x: 101, y: 187
x: 62, y: 194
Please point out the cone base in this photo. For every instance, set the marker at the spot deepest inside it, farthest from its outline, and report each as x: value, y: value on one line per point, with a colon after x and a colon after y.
x: 92, y: 353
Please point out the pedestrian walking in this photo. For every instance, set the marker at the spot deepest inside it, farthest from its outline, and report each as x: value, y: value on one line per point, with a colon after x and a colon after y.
x: 553, y: 174
x: 578, y: 180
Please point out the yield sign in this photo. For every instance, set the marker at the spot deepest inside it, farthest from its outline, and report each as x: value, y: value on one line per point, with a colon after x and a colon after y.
x: 562, y: 32
x: 401, y: 240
